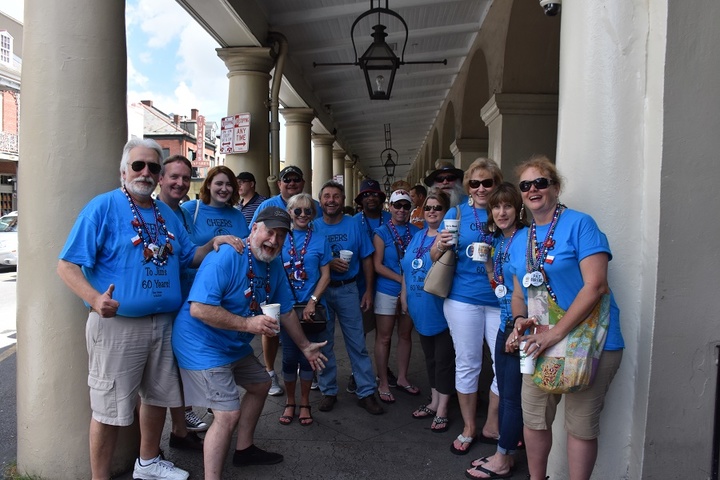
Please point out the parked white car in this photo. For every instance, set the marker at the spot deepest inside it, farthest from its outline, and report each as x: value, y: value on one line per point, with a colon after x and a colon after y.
x: 9, y: 239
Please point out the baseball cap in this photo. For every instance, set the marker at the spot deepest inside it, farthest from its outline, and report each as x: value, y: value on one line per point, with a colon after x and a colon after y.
x: 290, y: 169
x: 369, y: 185
x: 247, y: 176
x: 398, y: 195
x: 274, y: 217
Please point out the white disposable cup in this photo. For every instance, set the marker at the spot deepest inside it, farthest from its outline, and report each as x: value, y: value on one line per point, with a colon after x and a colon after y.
x: 346, y: 255
x: 272, y: 310
x: 452, y: 225
x: 527, y: 362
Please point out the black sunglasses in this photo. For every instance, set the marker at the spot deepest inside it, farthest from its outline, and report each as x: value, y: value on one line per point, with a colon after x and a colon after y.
x: 444, y: 178
x: 292, y: 180
x: 435, y: 208
x: 370, y: 194
x: 487, y: 183
x: 139, y: 165
x: 401, y: 205
x: 300, y: 211
x: 541, y: 183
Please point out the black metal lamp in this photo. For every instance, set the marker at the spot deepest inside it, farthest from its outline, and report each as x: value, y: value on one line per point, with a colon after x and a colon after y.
x: 389, y: 164
x: 379, y: 63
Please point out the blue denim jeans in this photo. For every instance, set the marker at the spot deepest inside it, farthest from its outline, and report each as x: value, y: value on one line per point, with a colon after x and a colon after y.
x: 509, y: 380
x: 292, y: 357
x: 344, y: 302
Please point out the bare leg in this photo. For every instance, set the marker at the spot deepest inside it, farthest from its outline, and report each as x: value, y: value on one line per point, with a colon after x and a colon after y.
x: 217, y: 442
x: 304, y: 398
x: 581, y: 457
x: 289, y: 411
x: 103, y: 439
x: 383, y: 339
x: 491, y: 429
x: 468, y: 407
x: 250, y: 410
x: 404, y: 348
x: 177, y: 417
x: 270, y: 347
x: 537, y: 447
x: 442, y: 403
x: 152, y: 421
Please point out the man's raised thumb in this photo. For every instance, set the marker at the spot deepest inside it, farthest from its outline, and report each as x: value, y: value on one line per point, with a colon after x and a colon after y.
x: 110, y: 290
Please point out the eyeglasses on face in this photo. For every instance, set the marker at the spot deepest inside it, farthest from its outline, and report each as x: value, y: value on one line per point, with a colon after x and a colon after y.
x: 487, y: 183
x: 292, y: 180
x: 434, y: 208
x: 445, y: 178
x: 541, y: 183
x: 300, y: 211
x: 370, y: 194
x: 401, y: 205
x: 139, y: 165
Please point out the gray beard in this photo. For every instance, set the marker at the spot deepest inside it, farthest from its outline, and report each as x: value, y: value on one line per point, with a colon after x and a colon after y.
x: 261, y: 255
x: 140, y: 189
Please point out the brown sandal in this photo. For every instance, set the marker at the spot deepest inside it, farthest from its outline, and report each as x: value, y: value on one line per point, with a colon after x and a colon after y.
x: 287, y: 419
x: 306, y: 421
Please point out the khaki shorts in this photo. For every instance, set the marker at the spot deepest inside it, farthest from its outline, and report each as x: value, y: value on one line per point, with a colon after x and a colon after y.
x: 216, y: 387
x: 582, y: 409
x: 126, y: 357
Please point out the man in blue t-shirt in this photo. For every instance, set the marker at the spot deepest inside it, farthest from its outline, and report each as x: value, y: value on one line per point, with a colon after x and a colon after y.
x: 344, y: 233
x: 123, y: 258
x: 212, y: 335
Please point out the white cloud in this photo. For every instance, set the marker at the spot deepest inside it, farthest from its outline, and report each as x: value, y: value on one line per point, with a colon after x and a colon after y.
x: 135, y: 77
x: 14, y: 8
x: 161, y: 20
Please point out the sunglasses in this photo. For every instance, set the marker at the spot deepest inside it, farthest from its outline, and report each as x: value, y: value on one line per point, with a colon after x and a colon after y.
x: 292, y: 180
x: 401, y: 205
x: 446, y: 178
x: 434, y: 208
x: 139, y: 166
x: 487, y: 183
x: 300, y: 211
x: 370, y: 194
x: 540, y: 183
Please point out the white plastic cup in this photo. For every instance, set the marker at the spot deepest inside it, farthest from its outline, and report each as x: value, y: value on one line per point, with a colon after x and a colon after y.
x: 346, y: 255
x: 452, y: 225
x: 272, y: 310
x: 527, y: 362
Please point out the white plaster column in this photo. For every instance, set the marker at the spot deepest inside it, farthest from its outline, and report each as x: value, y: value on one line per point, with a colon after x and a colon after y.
x: 338, y: 167
x: 520, y: 125
x: 466, y: 150
x: 322, y: 161
x: 73, y: 123
x: 349, y: 183
x: 298, y: 125
x: 249, y: 75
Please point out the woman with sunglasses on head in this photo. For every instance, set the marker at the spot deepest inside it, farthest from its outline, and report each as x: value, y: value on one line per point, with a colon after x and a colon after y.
x: 471, y: 309
x: 503, y: 209
x: 391, y: 241
x: 306, y: 258
x: 562, y: 259
x: 426, y: 311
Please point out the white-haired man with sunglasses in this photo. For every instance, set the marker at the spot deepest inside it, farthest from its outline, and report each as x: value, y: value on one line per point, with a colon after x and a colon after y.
x: 123, y: 258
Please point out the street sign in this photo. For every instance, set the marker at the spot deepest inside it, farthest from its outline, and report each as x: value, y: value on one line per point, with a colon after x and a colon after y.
x: 235, y: 134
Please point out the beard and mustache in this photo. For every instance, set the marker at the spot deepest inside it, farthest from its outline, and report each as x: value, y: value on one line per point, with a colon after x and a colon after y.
x: 141, y: 186
x: 456, y: 193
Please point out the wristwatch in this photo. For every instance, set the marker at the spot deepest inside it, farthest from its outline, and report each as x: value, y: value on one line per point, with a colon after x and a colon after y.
x: 314, y: 298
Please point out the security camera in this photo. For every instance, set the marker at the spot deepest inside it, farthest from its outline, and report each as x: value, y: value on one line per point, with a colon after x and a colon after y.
x: 551, y: 7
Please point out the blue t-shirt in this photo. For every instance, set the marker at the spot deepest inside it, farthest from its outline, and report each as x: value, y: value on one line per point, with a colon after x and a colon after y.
x: 317, y: 255
x: 576, y: 237
x: 222, y: 280
x: 425, y: 309
x: 345, y: 235
x: 368, y: 225
x: 212, y: 221
x: 102, y: 241
x: 470, y: 283
x: 390, y: 256
x: 501, y: 256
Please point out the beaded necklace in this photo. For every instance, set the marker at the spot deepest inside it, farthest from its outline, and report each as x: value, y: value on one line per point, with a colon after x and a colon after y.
x: 480, y: 225
x: 152, y: 251
x: 366, y: 222
x: 535, y: 255
x: 297, y: 262
x: 399, y: 241
x: 500, y: 259
x: 255, y: 303
x: 423, y: 249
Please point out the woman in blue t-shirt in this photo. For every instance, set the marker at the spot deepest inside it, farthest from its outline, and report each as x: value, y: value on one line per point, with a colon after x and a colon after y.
x: 391, y: 241
x: 562, y: 259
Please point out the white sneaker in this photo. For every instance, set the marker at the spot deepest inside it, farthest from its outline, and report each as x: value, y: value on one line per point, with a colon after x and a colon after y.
x: 275, y: 389
x: 194, y: 423
x: 158, y: 470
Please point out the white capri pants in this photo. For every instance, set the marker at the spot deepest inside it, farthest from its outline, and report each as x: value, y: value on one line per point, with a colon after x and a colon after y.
x: 469, y: 324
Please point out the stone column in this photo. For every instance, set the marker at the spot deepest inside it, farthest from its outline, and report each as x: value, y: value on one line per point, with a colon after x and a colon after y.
x: 350, y: 183
x: 466, y: 150
x: 322, y: 161
x: 249, y: 92
x: 520, y: 125
x: 74, y: 124
x: 338, y: 165
x: 298, y: 124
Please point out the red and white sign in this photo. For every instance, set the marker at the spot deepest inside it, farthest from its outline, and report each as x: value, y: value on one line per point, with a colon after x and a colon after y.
x: 235, y: 134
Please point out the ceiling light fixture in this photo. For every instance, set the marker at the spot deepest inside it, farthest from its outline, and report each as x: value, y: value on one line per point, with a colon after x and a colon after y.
x: 379, y: 63
x: 388, y: 162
